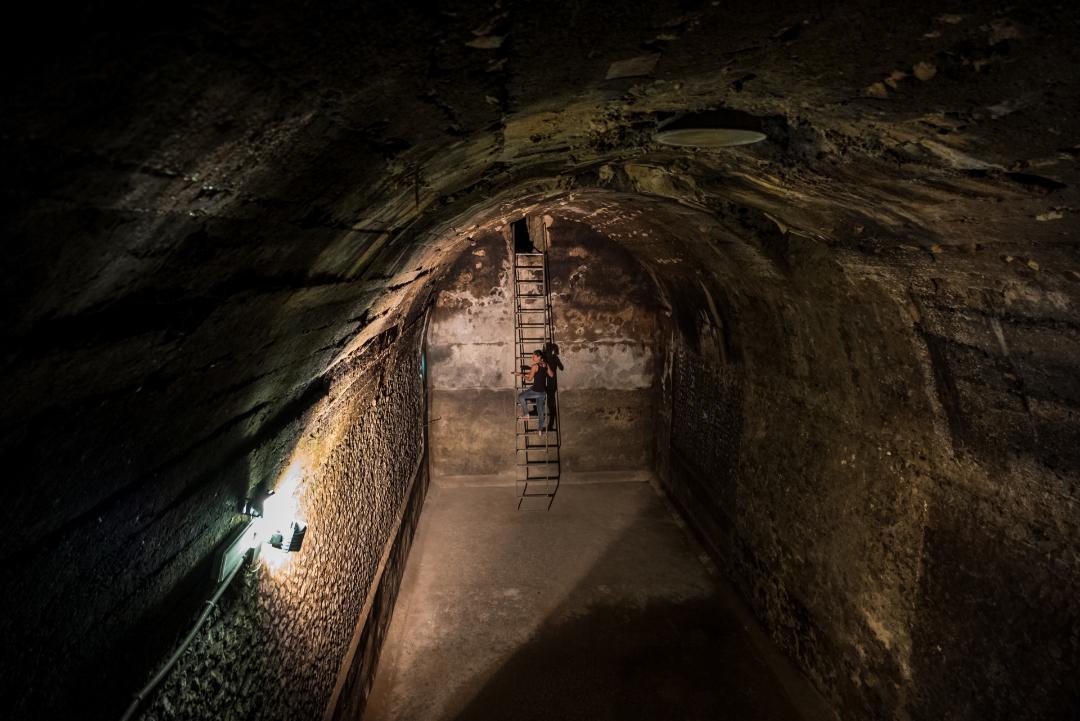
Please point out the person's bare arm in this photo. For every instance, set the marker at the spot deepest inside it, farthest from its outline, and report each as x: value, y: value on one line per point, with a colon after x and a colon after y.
x: 532, y: 373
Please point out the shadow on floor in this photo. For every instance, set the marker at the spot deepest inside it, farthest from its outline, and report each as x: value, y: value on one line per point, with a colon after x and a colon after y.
x: 666, y: 661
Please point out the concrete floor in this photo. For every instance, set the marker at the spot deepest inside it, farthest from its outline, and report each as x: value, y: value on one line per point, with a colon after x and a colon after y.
x: 601, y: 608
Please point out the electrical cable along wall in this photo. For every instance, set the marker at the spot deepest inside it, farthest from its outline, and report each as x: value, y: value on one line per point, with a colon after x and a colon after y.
x: 357, y: 476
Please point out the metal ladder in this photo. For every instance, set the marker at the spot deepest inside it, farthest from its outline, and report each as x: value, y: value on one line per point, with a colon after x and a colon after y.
x: 537, y: 457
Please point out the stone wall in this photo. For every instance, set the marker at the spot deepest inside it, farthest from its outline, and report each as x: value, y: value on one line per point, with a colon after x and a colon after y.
x: 357, y: 673
x: 470, y: 355
x: 605, y: 323
x: 604, y: 309
x: 301, y: 628
x: 889, y: 480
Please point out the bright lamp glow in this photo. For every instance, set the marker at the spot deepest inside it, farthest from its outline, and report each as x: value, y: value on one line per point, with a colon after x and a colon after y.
x: 279, y: 524
x: 277, y: 521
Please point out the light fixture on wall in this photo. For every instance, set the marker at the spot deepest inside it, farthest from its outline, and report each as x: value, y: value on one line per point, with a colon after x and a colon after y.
x: 720, y: 128
x: 275, y: 522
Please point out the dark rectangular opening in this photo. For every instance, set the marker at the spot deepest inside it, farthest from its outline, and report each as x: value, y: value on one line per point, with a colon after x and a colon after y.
x: 522, y: 242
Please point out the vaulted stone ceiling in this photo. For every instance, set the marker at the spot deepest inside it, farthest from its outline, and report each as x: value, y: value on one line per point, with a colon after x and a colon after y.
x: 309, y: 145
x: 174, y: 179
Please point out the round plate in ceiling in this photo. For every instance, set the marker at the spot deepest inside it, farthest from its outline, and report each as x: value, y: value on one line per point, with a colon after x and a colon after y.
x: 709, y: 137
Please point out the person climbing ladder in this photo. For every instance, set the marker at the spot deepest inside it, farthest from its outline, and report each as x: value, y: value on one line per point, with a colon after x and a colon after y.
x: 537, y: 465
x: 537, y: 376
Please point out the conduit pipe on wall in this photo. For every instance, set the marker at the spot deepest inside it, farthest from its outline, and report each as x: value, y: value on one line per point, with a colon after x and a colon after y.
x: 161, y: 674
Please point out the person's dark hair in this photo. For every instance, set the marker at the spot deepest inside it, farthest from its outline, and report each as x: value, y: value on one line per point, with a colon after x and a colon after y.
x: 540, y: 352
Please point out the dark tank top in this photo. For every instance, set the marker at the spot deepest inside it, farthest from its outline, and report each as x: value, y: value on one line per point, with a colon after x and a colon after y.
x: 540, y: 380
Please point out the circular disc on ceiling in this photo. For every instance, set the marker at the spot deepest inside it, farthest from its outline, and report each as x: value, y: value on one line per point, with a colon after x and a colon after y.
x: 709, y: 137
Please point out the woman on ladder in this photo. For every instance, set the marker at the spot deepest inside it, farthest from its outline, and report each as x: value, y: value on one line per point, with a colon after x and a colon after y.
x: 537, y: 376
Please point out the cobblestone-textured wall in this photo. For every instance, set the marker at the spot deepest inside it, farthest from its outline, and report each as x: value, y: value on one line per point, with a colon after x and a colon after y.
x: 275, y: 649
x: 356, y: 686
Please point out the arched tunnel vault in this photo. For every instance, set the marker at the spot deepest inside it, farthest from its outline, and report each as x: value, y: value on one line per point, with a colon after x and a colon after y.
x: 223, y: 245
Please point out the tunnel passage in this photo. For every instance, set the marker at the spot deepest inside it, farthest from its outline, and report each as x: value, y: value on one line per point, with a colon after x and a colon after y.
x: 789, y: 400
x: 225, y: 228
x: 801, y: 425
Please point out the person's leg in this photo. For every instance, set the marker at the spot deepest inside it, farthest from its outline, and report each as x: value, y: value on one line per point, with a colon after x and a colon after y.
x: 541, y: 400
x: 523, y: 400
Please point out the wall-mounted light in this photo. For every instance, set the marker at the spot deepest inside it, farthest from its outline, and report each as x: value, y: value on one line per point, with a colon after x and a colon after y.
x: 275, y: 520
x: 290, y: 539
